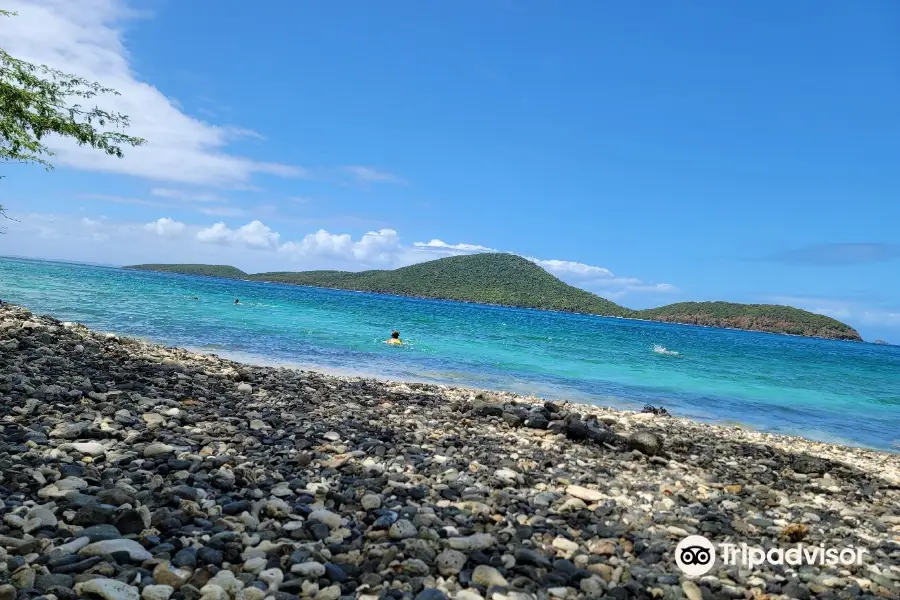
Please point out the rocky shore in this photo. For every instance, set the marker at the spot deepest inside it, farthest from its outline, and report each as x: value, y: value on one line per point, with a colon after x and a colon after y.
x: 130, y: 471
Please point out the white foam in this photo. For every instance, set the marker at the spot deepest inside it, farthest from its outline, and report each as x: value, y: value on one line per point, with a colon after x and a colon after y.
x: 663, y: 350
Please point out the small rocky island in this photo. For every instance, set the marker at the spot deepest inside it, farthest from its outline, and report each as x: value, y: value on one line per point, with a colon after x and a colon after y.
x: 130, y: 471
x: 510, y: 280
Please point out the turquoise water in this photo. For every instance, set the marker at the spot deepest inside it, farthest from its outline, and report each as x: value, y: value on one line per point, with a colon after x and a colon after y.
x: 828, y: 390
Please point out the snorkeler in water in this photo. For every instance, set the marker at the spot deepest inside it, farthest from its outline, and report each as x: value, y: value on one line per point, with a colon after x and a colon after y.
x: 395, y: 339
x: 237, y: 301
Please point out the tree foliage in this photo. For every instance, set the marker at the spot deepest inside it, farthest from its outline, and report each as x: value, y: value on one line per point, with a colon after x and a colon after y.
x: 774, y: 318
x: 223, y: 271
x: 37, y: 101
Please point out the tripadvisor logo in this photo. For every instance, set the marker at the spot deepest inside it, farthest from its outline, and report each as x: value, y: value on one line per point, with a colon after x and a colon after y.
x: 695, y: 555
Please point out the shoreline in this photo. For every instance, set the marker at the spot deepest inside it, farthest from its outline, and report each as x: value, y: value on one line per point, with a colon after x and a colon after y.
x: 241, y: 359
x: 622, y: 405
x: 131, y: 466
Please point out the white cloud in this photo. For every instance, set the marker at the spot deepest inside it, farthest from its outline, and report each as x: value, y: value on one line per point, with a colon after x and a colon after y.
x: 165, y: 227
x: 321, y: 243
x: 121, y: 200
x: 884, y: 318
x: 573, y: 268
x: 375, y: 247
x: 442, y: 245
x: 254, y: 234
x: 844, y: 310
x: 85, y: 37
x: 223, y: 211
x: 185, y: 195
x: 220, y: 244
x: 371, y: 175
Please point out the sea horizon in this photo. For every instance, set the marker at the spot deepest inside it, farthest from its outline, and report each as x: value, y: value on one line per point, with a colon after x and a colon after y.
x: 825, y: 390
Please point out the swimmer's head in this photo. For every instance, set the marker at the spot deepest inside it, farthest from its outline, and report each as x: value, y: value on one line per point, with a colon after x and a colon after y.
x: 395, y: 335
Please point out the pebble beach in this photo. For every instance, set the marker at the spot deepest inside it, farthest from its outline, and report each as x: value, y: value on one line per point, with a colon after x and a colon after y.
x: 134, y: 471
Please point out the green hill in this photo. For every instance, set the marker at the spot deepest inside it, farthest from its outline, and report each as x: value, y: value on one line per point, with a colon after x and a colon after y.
x: 204, y: 270
x: 509, y: 280
x: 757, y: 317
x: 503, y: 279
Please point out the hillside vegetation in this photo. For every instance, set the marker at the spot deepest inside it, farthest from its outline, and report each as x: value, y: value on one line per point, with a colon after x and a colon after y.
x: 205, y: 270
x: 774, y: 318
x: 484, y: 278
x: 509, y: 280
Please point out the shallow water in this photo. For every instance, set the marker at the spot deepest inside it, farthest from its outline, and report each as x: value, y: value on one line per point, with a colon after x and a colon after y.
x: 833, y: 391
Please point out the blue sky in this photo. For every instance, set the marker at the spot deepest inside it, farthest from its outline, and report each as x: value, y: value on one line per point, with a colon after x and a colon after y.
x: 646, y: 151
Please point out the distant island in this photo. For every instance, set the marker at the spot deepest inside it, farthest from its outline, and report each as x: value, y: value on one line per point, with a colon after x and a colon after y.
x: 510, y: 280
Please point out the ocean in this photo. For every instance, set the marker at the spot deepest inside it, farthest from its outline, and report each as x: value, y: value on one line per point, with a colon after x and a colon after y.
x: 834, y: 391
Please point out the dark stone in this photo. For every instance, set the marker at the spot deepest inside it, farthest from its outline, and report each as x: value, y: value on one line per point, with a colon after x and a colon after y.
x: 189, y: 592
x: 431, y: 594
x: 209, y: 556
x: 115, y: 496
x: 809, y: 465
x: 169, y: 525
x: 235, y: 508
x: 129, y: 522
x: 619, y: 593
x: 557, y: 426
x: 531, y: 557
x: 533, y: 573
x: 79, y: 567
x: 162, y: 549
x: 795, y: 589
x: 69, y: 559
x: 232, y: 551
x: 537, y: 422
x: 645, y: 442
x: 385, y: 520
x: 335, y: 573
x: 486, y: 409
x: 99, y: 533
x: 45, y: 582
x: 186, y: 492
x: 576, y: 430
x: 92, y: 515
x: 524, y: 532
x: 294, y: 586
x: 512, y: 420
x: 185, y: 558
x: 602, y: 436
x: 320, y: 531
x: 556, y: 579
x: 61, y: 593
x: 78, y: 500
x: 71, y: 470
